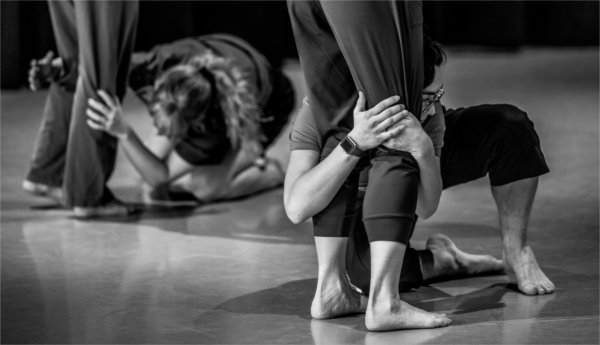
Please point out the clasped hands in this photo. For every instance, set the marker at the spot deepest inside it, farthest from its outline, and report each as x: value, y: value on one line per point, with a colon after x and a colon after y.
x: 391, y: 125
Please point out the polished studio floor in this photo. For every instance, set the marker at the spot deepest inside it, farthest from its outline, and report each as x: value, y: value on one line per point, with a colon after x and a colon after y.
x: 240, y: 272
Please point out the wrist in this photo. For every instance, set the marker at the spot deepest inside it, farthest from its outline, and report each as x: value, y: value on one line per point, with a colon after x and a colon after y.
x: 357, y: 139
x: 350, y: 147
x: 426, y: 150
x: 123, y: 134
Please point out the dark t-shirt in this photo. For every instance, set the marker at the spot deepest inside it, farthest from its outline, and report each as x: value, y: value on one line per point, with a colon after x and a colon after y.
x: 202, y: 146
x: 306, y: 133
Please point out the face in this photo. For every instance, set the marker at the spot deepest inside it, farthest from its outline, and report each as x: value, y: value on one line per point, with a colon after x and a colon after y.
x: 160, y: 119
x: 432, y: 94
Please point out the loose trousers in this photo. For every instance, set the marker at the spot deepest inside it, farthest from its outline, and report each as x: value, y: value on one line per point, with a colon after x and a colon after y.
x: 95, y: 40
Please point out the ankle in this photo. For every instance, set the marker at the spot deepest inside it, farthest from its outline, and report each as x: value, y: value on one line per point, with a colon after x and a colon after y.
x: 382, y: 300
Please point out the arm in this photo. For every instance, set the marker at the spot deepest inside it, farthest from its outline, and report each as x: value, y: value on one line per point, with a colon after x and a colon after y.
x: 154, y: 171
x: 107, y: 116
x: 310, y: 185
x: 430, y: 185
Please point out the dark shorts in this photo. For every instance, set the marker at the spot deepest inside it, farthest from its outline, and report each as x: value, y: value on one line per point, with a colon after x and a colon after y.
x: 498, y: 140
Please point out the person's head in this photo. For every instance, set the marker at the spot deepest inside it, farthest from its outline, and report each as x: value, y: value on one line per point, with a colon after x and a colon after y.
x: 206, y: 94
x: 434, y: 59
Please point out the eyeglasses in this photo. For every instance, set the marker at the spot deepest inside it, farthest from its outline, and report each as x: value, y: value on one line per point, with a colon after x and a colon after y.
x: 431, y: 101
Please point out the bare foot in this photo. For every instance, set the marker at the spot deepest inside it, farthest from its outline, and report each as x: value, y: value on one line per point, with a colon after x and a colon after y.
x: 336, y: 298
x: 530, y: 278
x: 448, y: 260
x: 43, y: 190
x: 114, y: 208
x: 401, y: 315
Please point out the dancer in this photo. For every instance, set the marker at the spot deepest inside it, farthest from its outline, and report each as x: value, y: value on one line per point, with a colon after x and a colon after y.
x: 472, y: 138
x: 220, y: 104
x: 72, y: 162
x: 375, y: 48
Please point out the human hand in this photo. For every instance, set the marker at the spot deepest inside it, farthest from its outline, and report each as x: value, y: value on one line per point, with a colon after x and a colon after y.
x: 42, y: 71
x: 374, y: 126
x: 411, y: 138
x: 107, y: 115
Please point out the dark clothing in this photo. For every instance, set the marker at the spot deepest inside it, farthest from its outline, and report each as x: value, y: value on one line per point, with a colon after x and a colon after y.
x: 494, y: 139
x: 375, y: 47
x: 94, y: 40
x: 498, y: 140
x: 273, y: 91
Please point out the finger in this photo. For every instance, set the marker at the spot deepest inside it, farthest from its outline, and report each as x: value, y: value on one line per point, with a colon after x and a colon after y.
x: 381, y: 106
x: 360, y: 104
x: 395, y: 131
x: 95, y: 116
x: 33, y: 63
x: 390, y: 121
x: 108, y: 100
x: 94, y: 125
x: 94, y: 104
x: 48, y: 57
x: 387, y: 113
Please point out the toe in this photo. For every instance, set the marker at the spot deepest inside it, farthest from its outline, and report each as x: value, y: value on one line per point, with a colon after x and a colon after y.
x: 529, y: 289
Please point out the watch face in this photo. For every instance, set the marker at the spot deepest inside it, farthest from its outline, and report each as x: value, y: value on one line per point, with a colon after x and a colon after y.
x: 347, y: 145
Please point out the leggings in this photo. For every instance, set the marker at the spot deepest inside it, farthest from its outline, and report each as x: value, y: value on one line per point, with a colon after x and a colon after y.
x: 375, y: 47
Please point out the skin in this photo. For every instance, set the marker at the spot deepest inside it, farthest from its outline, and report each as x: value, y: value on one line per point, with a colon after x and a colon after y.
x: 309, y: 187
x: 238, y: 175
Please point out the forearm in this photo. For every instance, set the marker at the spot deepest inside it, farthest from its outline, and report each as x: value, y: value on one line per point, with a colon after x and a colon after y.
x: 430, y: 185
x: 153, y: 170
x: 313, y: 191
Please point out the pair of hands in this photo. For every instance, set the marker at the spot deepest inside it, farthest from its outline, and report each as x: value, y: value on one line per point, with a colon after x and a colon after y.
x: 103, y: 115
x: 391, y: 125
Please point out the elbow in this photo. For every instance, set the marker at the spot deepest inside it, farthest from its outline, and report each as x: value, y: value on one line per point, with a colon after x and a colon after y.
x: 295, y: 213
x: 296, y: 218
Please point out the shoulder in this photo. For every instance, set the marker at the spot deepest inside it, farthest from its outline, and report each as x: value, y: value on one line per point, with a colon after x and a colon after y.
x: 304, y: 134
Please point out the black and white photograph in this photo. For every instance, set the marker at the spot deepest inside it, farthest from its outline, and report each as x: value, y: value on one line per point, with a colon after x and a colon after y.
x: 318, y: 172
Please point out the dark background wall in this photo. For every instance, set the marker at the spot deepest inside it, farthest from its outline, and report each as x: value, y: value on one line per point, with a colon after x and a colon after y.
x: 26, y: 28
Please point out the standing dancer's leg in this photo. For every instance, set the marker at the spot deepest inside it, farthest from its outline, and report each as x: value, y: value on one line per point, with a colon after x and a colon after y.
x: 105, y: 33
x: 46, y: 173
x: 380, y: 45
x: 383, y: 45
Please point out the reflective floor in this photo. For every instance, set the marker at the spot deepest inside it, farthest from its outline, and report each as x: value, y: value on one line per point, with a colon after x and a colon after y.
x: 240, y: 272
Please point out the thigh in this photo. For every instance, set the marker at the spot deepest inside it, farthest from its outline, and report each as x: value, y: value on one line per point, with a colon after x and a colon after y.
x: 498, y: 139
x: 470, y: 144
x: 329, y: 84
x: 382, y: 44
x: 105, y: 34
x: 64, y: 27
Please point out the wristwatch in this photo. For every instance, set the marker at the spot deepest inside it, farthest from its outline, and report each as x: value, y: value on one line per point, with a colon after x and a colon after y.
x: 349, y: 146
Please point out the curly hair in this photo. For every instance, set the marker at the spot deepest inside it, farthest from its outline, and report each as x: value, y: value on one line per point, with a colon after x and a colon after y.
x: 208, y: 92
